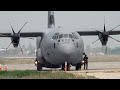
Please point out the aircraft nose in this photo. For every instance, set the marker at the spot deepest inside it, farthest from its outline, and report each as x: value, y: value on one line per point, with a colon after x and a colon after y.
x: 67, y: 49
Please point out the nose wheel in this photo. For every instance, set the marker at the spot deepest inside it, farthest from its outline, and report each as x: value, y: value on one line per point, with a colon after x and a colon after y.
x: 65, y: 67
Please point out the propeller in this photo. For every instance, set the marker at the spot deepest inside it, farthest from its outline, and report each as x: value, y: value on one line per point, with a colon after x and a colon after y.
x: 9, y: 45
x: 18, y: 35
x: 106, y: 34
x: 106, y: 49
x: 21, y: 48
x: 12, y: 28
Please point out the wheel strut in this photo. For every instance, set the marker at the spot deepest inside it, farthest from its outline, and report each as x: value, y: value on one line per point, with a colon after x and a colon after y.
x: 65, y: 66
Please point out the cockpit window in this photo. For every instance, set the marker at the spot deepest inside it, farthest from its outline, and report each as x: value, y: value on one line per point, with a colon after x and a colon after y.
x: 60, y: 36
x: 56, y: 36
x: 65, y: 35
x: 70, y: 36
x: 74, y: 35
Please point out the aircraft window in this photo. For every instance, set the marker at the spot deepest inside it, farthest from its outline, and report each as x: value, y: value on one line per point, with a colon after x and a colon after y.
x: 56, y: 34
x: 56, y: 37
x: 58, y: 40
x: 65, y: 35
x: 70, y: 36
x: 66, y: 40
x: 74, y: 35
x: 53, y: 37
x: 61, y: 36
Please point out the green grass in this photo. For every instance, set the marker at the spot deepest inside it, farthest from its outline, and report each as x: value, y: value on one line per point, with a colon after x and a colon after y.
x: 31, y: 74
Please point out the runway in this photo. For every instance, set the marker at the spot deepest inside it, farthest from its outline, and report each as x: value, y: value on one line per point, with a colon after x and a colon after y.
x: 101, y: 70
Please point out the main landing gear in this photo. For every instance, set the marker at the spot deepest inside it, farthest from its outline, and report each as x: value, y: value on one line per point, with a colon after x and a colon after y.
x: 38, y: 65
x: 78, y: 66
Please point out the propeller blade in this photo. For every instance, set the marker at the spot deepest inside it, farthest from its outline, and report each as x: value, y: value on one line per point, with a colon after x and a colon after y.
x: 104, y: 25
x: 106, y: 50
x: 114, y: 28
x: 21, y: 48
x: 96, y: 40
x: 12, y: 28
x: 22, y: 27
x: 114, y: 39
x: 9, y: 45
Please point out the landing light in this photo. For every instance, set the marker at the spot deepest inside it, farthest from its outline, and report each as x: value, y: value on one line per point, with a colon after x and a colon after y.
x: 82, y: 61
x: 35, y: 62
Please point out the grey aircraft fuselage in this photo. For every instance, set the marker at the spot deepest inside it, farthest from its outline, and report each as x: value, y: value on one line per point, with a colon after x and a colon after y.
x: 59, y: 46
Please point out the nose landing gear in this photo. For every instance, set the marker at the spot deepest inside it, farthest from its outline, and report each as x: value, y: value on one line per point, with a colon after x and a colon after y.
x: 65, y: 67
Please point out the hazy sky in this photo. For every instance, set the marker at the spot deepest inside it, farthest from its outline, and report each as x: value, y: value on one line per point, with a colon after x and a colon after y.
x: 76, y: 20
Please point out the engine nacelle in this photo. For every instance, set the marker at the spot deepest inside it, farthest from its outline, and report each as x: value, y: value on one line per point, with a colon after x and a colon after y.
x: 15, y: 39
x: 103, y: 38
x: 15, y: 45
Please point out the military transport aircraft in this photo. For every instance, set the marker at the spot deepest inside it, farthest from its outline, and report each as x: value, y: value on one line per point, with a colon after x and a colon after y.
x: 58, y: 46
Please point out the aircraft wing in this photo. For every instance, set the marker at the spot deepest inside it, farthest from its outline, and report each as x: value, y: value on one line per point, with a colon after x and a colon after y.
x: 24, y: 34
x: 114, y: 32
x: 94, y: 33
x: 88, y: 33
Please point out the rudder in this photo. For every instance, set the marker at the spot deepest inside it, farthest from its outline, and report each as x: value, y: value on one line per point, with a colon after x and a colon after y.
x: 51, y: 19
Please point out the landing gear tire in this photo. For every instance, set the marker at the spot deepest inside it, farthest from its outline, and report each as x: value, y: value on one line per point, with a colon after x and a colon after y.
x: 62, y: 68
x: 39, y: 67
x: 68, y: 68
x: 78, y: 66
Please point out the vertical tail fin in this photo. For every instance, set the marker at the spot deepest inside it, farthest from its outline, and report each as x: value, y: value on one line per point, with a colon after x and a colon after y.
x: 104, y: 25
x: 51, y: 20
